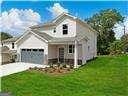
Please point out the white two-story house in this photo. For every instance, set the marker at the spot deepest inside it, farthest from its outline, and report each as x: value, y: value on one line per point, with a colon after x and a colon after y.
x: 66, y: 39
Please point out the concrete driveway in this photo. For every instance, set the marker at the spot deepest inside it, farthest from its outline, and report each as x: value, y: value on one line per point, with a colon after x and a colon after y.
x: 11, y: 68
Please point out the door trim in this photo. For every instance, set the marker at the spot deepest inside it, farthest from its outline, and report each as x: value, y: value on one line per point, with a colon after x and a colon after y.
x: 59, y: 54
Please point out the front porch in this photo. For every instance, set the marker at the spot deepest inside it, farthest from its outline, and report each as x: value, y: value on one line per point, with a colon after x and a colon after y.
x: 66, y: 53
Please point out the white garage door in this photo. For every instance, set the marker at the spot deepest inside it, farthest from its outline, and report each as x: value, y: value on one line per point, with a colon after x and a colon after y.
x: 32, y: 56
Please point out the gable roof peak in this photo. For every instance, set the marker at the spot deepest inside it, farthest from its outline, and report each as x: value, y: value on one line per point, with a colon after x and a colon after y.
x: 63, y: 14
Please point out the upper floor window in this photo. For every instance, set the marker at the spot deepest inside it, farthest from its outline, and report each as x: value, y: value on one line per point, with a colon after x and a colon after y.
x: 54, y: 31
x: 65, y: 29
x: 71, y: 49
x: 13, y: 45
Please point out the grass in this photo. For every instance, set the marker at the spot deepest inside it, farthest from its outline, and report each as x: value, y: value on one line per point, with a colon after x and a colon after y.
x: 105, y: 76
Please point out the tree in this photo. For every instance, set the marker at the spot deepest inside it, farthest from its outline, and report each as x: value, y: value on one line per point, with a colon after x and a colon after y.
x: 119, y: 46
x: 103, y: 23
x: 5, y: 36
x: 124, y: 40
x: 115, y: 48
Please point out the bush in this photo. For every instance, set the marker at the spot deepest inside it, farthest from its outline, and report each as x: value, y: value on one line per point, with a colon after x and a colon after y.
x: 51, y: 65
x: 64, y: 66
x: 115, y: 48
x: 71, y: 66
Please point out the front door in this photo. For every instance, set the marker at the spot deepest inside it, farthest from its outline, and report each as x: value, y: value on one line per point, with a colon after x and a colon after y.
x: 61, y: 55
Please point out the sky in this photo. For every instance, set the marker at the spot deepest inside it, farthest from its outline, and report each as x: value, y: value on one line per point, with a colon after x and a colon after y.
x: 19, y: 15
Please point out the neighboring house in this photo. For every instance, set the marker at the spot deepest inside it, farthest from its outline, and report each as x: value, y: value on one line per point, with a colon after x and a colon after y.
x: 8, y: 50
x: 6, y: 55
x: 65, y: 39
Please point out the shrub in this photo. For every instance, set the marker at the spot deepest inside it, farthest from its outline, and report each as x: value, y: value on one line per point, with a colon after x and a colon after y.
x: 115, y: 48
x: 64, y: 65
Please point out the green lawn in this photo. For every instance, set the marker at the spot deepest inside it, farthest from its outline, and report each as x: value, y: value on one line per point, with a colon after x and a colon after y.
x: 105, y: 76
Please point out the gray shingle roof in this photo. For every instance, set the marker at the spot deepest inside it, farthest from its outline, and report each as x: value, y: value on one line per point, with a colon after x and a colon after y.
x: 10, y: 40
x: 43, y: 25
x: 50, y: 23
x: 42, y: 34
x: 53, y: 22
x: 51, y: 39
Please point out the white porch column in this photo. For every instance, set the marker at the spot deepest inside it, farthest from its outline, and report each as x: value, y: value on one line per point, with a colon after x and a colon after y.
x: 76, y: 55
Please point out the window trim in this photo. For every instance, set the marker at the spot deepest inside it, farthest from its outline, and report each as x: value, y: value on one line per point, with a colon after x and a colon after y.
x: 72, y: 49
x: 65, y: 29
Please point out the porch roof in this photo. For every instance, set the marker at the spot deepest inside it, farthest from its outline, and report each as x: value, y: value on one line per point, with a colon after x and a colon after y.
x: 51, y: 39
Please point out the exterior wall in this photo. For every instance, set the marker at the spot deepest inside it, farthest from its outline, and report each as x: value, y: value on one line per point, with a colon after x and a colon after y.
x: 91, y: 42
x: 84, y: 51
x: 59, y: 31
x: 53, y: 52
x: 32, y: 42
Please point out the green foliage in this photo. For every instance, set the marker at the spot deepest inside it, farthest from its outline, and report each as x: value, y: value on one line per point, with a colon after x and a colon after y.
x: 115, y: 48
x: 105, y: 76
x: 124, y: 40
x: 103, y: 22
x: 119, y: 46
x: 5, y: 36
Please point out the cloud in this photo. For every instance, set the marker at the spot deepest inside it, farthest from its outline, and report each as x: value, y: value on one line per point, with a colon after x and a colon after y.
x: 16, y: 21
x: 57, y: 9
x: 119, y: 28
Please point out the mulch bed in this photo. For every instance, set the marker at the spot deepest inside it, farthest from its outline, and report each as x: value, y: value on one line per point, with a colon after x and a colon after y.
x: 53, y: 70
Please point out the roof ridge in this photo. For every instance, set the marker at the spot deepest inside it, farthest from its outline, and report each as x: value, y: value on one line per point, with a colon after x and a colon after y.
x: 51, y: 21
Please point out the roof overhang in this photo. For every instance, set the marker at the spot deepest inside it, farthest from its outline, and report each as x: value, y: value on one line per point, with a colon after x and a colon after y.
x: 26, y: 33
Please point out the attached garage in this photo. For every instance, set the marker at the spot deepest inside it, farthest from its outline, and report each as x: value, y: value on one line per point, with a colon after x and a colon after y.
x: 32, y: 56
x: 32, y: 48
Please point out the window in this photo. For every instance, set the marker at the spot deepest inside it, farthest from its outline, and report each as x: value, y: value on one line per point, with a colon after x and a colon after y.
x: 88, y: 48
x: 54, y: 31
x: 65, y: 29
x: 28, y: 49
x: 12, y: 45
x: 23, y: 49
x: 41, y: 50
x: 71, y: 49
x: 34, y: 49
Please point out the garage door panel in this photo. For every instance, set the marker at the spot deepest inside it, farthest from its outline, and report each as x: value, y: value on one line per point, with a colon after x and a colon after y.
x: 33, y: 56
x: 23, y: 55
